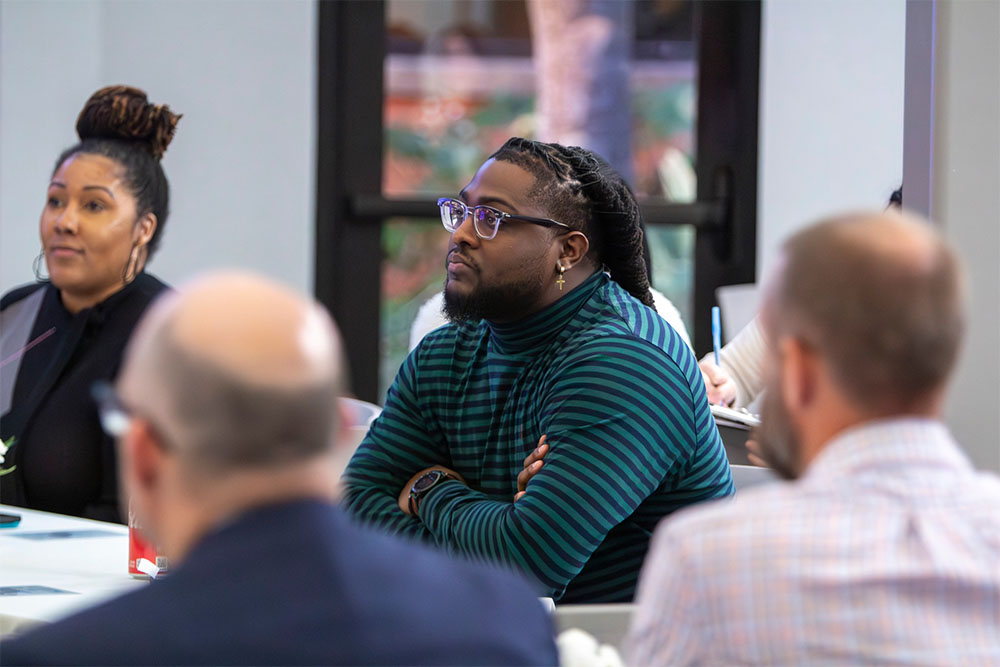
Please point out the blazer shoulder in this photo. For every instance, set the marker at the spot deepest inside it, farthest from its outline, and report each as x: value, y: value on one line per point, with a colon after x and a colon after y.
x: 19, y: 293
x: 84, y: 637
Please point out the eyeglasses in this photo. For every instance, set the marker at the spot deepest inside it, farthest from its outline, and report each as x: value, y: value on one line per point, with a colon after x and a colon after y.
x: 114, y: 415
x: 485, y: 219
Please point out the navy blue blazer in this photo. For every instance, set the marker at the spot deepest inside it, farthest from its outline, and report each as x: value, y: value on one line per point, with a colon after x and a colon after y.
x: 300, y: 584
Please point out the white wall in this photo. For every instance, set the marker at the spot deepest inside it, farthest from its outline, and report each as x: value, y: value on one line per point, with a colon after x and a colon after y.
x: 965, y: 173
x: 831, y: 111
x: 831, y: 139
x: 242, y: 164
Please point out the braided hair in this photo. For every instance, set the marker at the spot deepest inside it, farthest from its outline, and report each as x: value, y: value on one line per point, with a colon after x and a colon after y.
x: 580, y: 189
x: 119, y: 123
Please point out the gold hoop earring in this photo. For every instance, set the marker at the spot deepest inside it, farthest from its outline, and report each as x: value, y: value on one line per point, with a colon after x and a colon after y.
x: 132, y: 259
x: 560, y: 280
x: 36, y: 266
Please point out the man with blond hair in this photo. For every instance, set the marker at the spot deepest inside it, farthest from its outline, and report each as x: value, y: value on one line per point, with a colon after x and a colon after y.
x: 226, y: 422
x: 886, y: 547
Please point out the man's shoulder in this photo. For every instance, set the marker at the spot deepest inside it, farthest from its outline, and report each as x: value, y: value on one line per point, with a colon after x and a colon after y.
x: 617, y: 305
x: 615, y: 315
x: 986, y: 484
x: 489, y: 610
x: 609, y: 355
x: 610, y: 342
x: 88, y: 635
x: 350, y: 595
x: 756, y: 513
x: 386, y: 581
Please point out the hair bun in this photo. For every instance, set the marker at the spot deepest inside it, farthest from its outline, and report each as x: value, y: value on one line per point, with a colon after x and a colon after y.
x: 123, y: 112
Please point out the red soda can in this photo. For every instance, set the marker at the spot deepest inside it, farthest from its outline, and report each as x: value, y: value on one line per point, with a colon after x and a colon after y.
x: 140, y: 548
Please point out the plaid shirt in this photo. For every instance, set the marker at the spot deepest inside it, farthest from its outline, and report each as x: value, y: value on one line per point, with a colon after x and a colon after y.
x: 887, y: 550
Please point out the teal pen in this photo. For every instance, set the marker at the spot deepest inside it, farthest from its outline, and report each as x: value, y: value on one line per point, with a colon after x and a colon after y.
x: 716, y: 333
x: 716, y: 336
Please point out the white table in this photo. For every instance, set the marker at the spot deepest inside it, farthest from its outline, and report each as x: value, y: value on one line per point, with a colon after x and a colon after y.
x: 88, y: 559
x: 607, y: 623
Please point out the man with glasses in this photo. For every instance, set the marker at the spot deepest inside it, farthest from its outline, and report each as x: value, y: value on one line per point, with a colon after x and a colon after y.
x: 226, y: 419
x: 555, y: 370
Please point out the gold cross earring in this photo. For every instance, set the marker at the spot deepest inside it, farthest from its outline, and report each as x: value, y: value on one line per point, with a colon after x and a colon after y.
x: 560, y: 280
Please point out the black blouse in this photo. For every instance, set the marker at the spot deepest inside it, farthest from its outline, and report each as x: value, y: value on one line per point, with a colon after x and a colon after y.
x: 65, y: 463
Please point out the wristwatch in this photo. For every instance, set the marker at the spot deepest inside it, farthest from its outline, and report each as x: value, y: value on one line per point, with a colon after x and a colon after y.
x: 425, y: 483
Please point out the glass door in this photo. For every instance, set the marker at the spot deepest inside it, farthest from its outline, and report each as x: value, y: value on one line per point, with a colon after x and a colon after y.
x: 416, y: 94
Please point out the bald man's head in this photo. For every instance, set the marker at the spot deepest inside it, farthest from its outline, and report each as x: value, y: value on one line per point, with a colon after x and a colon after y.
x: 235, y: 372
x: 881, y: 297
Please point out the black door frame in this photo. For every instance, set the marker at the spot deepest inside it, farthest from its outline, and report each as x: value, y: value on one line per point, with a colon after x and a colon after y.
x: 728, y: 36
x: 350, y: 207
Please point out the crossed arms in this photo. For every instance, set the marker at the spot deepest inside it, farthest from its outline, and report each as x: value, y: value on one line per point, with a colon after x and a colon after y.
x: 618, y: 420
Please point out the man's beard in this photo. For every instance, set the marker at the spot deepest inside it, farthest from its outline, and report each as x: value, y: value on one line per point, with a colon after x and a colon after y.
x: 499, y: 303
x: 776, y: 437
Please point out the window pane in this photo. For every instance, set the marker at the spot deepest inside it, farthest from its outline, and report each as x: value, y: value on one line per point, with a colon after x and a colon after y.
x: 412, y: 272
x: 459, y: 81
x: 672, y: 252
x: 460, y: 78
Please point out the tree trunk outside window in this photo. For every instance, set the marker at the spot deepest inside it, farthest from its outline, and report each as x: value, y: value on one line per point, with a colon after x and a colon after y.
x: 582, y: 50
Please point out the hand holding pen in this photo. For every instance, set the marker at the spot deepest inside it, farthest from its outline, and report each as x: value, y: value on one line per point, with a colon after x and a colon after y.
x: 719, y: 387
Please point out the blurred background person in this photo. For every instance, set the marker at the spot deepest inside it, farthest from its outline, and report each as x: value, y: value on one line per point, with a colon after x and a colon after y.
x: 738, y: 378
x: 105, y: 211
x: 884, y: 549
x: 227, y: 423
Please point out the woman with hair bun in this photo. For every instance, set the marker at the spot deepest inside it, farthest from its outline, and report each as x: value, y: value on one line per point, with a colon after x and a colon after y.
x: 104, y: 215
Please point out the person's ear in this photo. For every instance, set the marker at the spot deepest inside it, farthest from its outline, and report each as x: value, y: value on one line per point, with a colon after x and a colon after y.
x: 573, y: 247
x: 145, y: 227
x: 141, y: 460
x: 344, y: 422
x: 799, y: 374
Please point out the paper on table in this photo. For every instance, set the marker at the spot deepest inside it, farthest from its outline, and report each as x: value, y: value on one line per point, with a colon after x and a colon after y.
x: 65, y: 534
x: 741, y: 416
x: 33, y: 590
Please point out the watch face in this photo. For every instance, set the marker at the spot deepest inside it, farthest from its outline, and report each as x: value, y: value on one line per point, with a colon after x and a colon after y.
x: 427, y: 481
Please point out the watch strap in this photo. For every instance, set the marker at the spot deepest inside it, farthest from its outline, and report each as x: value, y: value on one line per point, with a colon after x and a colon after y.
x: 415, y: 496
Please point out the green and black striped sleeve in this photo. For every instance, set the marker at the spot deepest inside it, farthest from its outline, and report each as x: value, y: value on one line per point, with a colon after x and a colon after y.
x: 622, y: 423
x: 619, y: 418
x: 398, y: 445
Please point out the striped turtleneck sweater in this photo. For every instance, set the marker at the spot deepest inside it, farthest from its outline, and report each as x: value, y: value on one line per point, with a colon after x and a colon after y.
x: 622, y: 403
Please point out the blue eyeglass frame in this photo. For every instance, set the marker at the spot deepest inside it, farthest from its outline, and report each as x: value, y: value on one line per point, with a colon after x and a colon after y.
x: 445, y: 204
